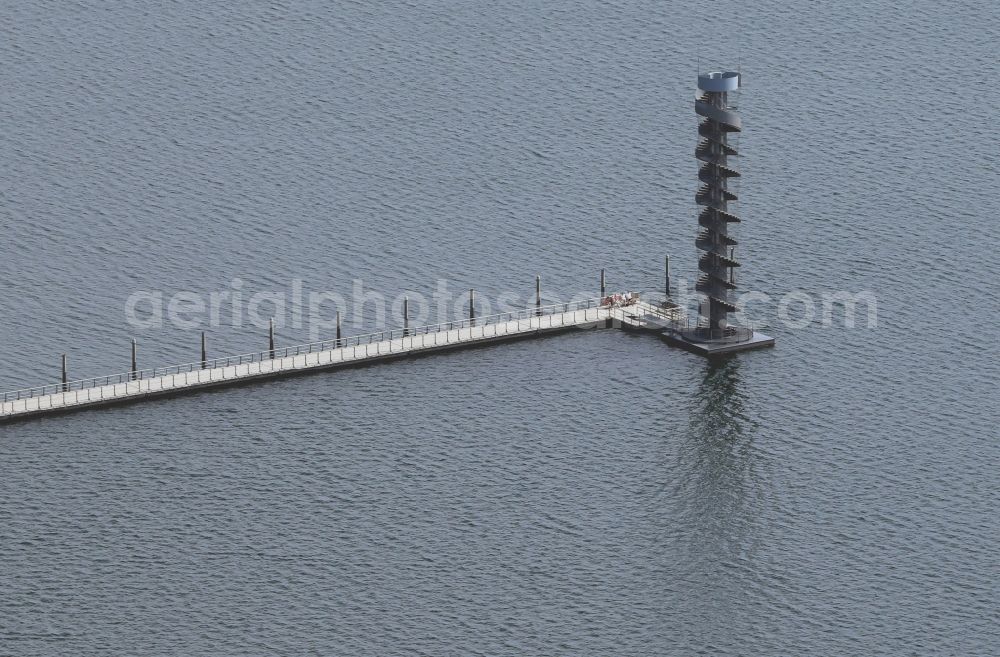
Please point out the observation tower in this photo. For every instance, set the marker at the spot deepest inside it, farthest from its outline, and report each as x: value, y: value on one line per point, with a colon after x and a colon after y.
x: 718, y: 132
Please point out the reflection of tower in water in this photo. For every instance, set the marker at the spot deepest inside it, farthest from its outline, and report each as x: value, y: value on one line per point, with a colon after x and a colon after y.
x: 717, y: 479
x: 719, y: 413
x: 717, y: 495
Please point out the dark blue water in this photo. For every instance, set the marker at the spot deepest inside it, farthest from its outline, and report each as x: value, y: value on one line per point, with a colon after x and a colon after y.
x: 591, y: 494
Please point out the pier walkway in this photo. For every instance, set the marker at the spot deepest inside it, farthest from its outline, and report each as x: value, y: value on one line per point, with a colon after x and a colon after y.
x: 285, y: 361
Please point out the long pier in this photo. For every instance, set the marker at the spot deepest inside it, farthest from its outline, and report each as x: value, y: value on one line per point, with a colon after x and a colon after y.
x: 711, y: 335
x: 138, y: 385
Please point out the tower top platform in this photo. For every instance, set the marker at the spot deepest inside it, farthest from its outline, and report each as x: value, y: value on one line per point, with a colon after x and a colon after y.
x: 719, y: 81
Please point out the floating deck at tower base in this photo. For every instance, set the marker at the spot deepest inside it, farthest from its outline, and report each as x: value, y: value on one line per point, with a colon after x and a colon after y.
x: 717, y: 347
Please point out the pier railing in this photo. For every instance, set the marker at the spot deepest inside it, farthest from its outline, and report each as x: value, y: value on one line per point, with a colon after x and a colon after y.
x: 312, y: 347
x: 676, y: 319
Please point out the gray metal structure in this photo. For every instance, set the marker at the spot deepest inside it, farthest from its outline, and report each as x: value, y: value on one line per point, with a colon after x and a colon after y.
x: 713, y: 333
x: 714, y: 150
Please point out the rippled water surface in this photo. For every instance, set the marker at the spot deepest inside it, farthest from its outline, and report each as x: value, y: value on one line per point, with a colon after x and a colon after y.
x: 595, y: 493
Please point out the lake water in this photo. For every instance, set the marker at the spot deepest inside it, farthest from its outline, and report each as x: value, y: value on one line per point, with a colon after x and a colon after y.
x: 596, y: 493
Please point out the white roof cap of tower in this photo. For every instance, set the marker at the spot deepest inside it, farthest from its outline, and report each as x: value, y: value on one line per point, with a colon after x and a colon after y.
x: 719, y: 81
